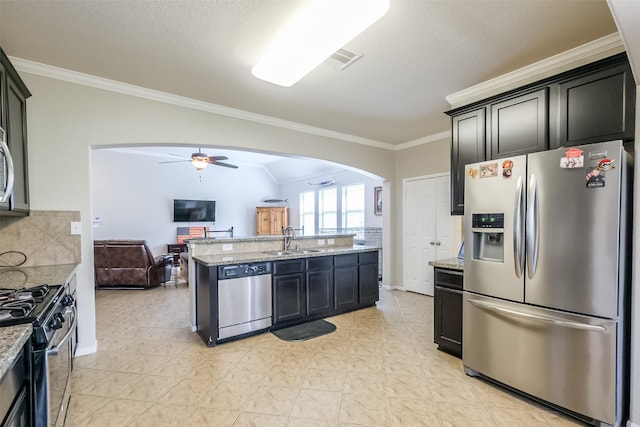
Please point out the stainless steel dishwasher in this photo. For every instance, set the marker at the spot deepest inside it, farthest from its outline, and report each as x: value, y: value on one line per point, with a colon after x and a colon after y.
x: 244, y: 299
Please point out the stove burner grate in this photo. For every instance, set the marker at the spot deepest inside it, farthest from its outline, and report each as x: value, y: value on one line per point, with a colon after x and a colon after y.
x: 20, y: 303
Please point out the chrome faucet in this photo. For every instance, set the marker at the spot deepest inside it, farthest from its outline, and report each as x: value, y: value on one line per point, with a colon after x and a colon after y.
x: 289, y: 234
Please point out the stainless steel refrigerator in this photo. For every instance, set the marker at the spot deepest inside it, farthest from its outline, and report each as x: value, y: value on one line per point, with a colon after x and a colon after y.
x: 546, y: 277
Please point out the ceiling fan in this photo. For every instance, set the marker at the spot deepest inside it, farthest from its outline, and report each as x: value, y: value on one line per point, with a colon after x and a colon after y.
x: 201, y: 160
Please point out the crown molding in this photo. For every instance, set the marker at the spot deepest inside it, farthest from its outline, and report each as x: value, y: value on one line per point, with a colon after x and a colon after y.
x: 71, y: 76
x: 424, y: 140
x: 589, y: 52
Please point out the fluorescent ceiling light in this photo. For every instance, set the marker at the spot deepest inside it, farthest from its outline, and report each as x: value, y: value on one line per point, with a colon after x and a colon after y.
x: 319, y: 29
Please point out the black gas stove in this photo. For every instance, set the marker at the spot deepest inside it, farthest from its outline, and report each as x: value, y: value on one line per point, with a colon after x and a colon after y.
x: 37, y: 305
x: 50, y: 309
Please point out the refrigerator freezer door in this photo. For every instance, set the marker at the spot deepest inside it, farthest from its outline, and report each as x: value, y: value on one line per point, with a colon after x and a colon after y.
x: 568, y: 360
x: 573, y: 231
x: 493, y: 258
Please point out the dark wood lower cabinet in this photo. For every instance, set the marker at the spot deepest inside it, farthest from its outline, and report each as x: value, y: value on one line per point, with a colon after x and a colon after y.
x: 319, y: 286
x: 346, y: 287
x: 369, y: 291
x: 447, y: 310
x: 289, y: 296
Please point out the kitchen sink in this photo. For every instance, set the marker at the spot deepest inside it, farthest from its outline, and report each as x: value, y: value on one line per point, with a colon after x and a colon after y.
x: 292, y: 252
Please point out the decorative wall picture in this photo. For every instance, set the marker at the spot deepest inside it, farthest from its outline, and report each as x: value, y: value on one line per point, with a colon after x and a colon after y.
x: 377, y: 199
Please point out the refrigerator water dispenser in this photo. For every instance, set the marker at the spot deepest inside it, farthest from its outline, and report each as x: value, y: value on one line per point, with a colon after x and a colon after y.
x: 488, y: 237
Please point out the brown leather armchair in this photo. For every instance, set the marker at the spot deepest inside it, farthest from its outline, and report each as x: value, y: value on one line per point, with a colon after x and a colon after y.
x: 129, y: 264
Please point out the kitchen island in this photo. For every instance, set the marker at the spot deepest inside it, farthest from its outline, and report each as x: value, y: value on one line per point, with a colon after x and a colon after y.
x: 307, y: 283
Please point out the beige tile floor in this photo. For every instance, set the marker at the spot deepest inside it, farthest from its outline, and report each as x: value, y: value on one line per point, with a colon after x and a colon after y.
x: 380, y: 368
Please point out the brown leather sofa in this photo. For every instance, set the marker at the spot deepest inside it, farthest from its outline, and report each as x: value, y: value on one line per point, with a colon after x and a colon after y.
x: 129, y: 264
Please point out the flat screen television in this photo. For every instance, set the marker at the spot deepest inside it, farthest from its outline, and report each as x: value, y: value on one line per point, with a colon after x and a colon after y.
x: 194, y: 210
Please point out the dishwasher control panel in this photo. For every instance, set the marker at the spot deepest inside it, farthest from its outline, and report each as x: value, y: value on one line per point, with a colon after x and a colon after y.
x: 243, y: 270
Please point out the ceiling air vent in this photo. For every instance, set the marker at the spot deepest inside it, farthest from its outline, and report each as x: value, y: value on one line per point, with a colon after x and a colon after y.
x: 346, y: 58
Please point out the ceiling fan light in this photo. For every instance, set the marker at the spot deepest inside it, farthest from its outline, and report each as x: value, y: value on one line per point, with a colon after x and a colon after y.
x: 320, y: 29
x: 200, y: 162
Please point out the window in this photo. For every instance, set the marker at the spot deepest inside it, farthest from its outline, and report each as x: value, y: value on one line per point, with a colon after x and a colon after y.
x: 308, y: 212
x: 328, y: 208
x: 353, y: 206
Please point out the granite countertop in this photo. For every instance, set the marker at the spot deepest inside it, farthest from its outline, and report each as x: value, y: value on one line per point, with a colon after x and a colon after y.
x: 25, y: 277
x: 243, y: 257
x: 451, y: 263
x: 12, y: 338
x: 272, y: 237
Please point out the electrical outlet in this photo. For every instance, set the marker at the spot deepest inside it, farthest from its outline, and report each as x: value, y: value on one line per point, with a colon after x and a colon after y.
x: 321, y: 242
x: 331, y: 242
x: 76, y: 227
x: 227, y: 247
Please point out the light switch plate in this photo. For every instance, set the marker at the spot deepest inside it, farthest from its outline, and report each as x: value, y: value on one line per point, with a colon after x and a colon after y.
x: 321, y: 242
x: 227, y: 247
x: 76, y: 227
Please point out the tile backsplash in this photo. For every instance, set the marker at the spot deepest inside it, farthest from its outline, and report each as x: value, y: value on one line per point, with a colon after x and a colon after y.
x: 43, y: 236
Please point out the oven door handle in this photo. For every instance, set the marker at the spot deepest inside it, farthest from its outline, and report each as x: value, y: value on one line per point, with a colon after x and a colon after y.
x: 56, y: 349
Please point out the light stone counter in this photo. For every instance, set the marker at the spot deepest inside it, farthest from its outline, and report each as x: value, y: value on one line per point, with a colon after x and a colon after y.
x: 451, y: 263
x: 247, y: 257
x: 12, y: 339
x: 25, y: 277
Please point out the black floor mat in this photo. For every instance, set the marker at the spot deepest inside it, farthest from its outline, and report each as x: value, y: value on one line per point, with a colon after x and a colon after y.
x: 306, y: 331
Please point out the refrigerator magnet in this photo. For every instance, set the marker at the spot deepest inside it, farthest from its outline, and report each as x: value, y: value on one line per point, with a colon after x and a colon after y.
x: 473, y: 172
x: 489, y: 171
x: 572, y: 159
x: 507, y: 168
x: 605, y: 165
x: 595, y: 178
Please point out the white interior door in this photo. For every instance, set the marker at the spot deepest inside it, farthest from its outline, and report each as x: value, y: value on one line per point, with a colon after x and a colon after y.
x: 427, y: 230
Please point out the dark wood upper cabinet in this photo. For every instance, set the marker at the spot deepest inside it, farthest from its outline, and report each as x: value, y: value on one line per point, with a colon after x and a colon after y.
x: 597, y: 107
x: 589, y: 104
x: 13, y: 119
x: 468, y: 138
x: 519, y: 125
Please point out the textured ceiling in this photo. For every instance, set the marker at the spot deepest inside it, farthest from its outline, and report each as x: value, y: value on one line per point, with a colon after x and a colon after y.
x: 414, y: 56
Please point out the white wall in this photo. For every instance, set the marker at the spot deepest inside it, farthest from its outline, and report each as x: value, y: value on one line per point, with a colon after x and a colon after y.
x: 68, y: 120
x: 134, y: 196
x: 291, y: 190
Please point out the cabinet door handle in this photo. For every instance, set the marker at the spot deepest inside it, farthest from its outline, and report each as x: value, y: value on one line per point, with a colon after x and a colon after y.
x: 432, y: 243
x: 438, y: 243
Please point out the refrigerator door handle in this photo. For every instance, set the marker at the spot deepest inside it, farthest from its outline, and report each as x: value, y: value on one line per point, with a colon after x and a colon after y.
x: 532, y: 233
x: 518, y: 220
x: 555, y: 321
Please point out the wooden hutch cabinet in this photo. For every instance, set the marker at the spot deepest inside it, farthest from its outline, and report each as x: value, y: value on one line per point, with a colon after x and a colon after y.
x: 271, y: 220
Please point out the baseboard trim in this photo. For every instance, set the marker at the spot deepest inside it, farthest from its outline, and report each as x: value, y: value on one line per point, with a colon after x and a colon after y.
x: 391, y: 287
x: 85, y: 350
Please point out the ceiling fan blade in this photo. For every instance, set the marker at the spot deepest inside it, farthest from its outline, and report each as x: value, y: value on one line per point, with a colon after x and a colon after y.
x: 175, y: 161
x: 216, y: 158
x: 226, y: 165
x: 178, y: 155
